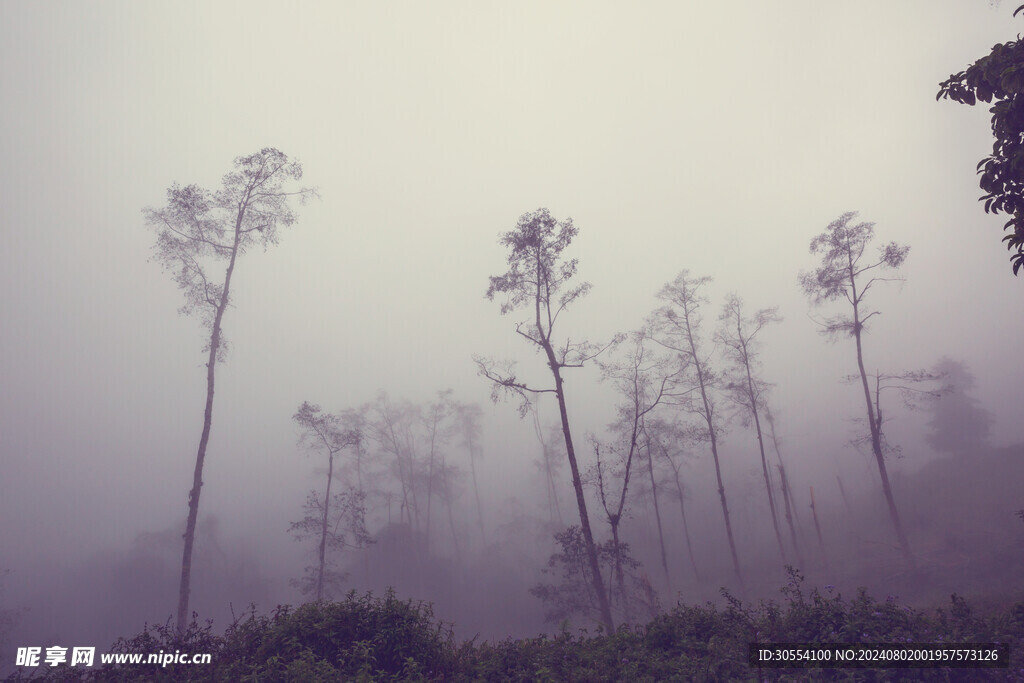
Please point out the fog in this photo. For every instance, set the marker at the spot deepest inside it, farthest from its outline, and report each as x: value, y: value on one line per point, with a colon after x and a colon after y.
x: 719, y: 138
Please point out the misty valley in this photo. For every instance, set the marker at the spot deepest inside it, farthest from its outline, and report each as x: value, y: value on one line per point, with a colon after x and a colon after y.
x: 556, y: 342
x: 655, y: 547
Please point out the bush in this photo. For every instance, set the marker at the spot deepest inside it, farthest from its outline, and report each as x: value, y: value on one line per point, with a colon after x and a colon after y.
x: 368, y: 638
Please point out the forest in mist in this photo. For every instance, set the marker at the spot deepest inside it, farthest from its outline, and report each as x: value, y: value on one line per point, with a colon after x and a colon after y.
x: 552, y: 318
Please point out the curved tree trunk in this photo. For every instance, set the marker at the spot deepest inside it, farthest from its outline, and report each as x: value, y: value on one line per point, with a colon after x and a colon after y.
x: 708, y: 416
x: 185, y: 587
x: 581, y: 502
x: 787, y: 495
x: 876, y: 446
x: 764, y: 466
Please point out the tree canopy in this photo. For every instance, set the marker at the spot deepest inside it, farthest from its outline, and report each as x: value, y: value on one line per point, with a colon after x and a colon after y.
x: 999, y: 78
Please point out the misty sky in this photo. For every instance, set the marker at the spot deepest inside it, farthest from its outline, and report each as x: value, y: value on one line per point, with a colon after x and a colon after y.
x: 719, y: 137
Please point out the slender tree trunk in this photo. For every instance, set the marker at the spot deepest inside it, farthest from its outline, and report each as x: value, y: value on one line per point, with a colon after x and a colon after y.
x: 842, y: 492
x: 362, y: 492
x: 185, y: 587
x: 476, y: 491
x: 410, y: 467
x: 430, y: 486
x: 657, y: 514
x: 553, y: 505
x: 577, y: 484
x: 708, y: 417
x: 323, y: 530
x: 686, y: 527
x: 817, y: 528
x: 619, y: 574
x: 554, y: 509
x: 784, y: 483
x: 455, y: 535
x: 787, y: 495
x: 764, y: 460
x: 876, y: 440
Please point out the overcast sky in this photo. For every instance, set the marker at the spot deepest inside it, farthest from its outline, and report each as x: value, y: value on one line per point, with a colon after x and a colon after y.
x: 719, y: 137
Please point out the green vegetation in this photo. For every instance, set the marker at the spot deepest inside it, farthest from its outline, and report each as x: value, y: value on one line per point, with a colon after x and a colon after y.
x: 998, y: 78
x: 367, y: 638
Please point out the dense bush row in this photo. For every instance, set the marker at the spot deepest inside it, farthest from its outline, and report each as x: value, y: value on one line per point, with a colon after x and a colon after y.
x: 367, y: 638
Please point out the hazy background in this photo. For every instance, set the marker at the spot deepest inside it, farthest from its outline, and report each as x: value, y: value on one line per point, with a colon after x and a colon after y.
x: 718, y: 137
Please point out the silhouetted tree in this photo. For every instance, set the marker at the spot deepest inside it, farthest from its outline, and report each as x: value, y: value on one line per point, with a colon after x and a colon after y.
x: 738, y: 335
x: 468, y: 416
x: 787, y: 490
x: 439, y: 429
x: 648, y: 453
x: 670, y: 441
x: 642, y: 380
x: 199, y: 229
x: 843, y: 274
x: 324, y: 432
x: 655, y: 481
x: 574, y: 593
x: 959, y: 424
x: 446, y: 478
x: 998, y: 76
x: 539, y: 279
x: 393, y: 427
x: 339, y: 522
x: 548, y: 464
x: 677, y: 327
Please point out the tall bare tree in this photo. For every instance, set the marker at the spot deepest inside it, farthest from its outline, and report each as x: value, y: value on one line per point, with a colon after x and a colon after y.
x: 643, y: 380
x: 199, y: 230
x: 393, y: 427
x: 677, y: 327
x: 668, y: 439
x: 648, y: 452
x: 738, y: 335
x: 845, y: 274
x: 539, y: 278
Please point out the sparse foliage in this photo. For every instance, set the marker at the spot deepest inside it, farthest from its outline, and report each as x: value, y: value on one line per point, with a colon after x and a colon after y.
x: 738, y: 335
x: 416, y: 442
x: 573, y: 594
x: 337, y: 521
x: 678, y: 327
x: 338, y: 526
x: 539, y: 278
x: 845, y: 274
x: 642, y: 379
x: 669, y: 443
x: 198, y: 230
